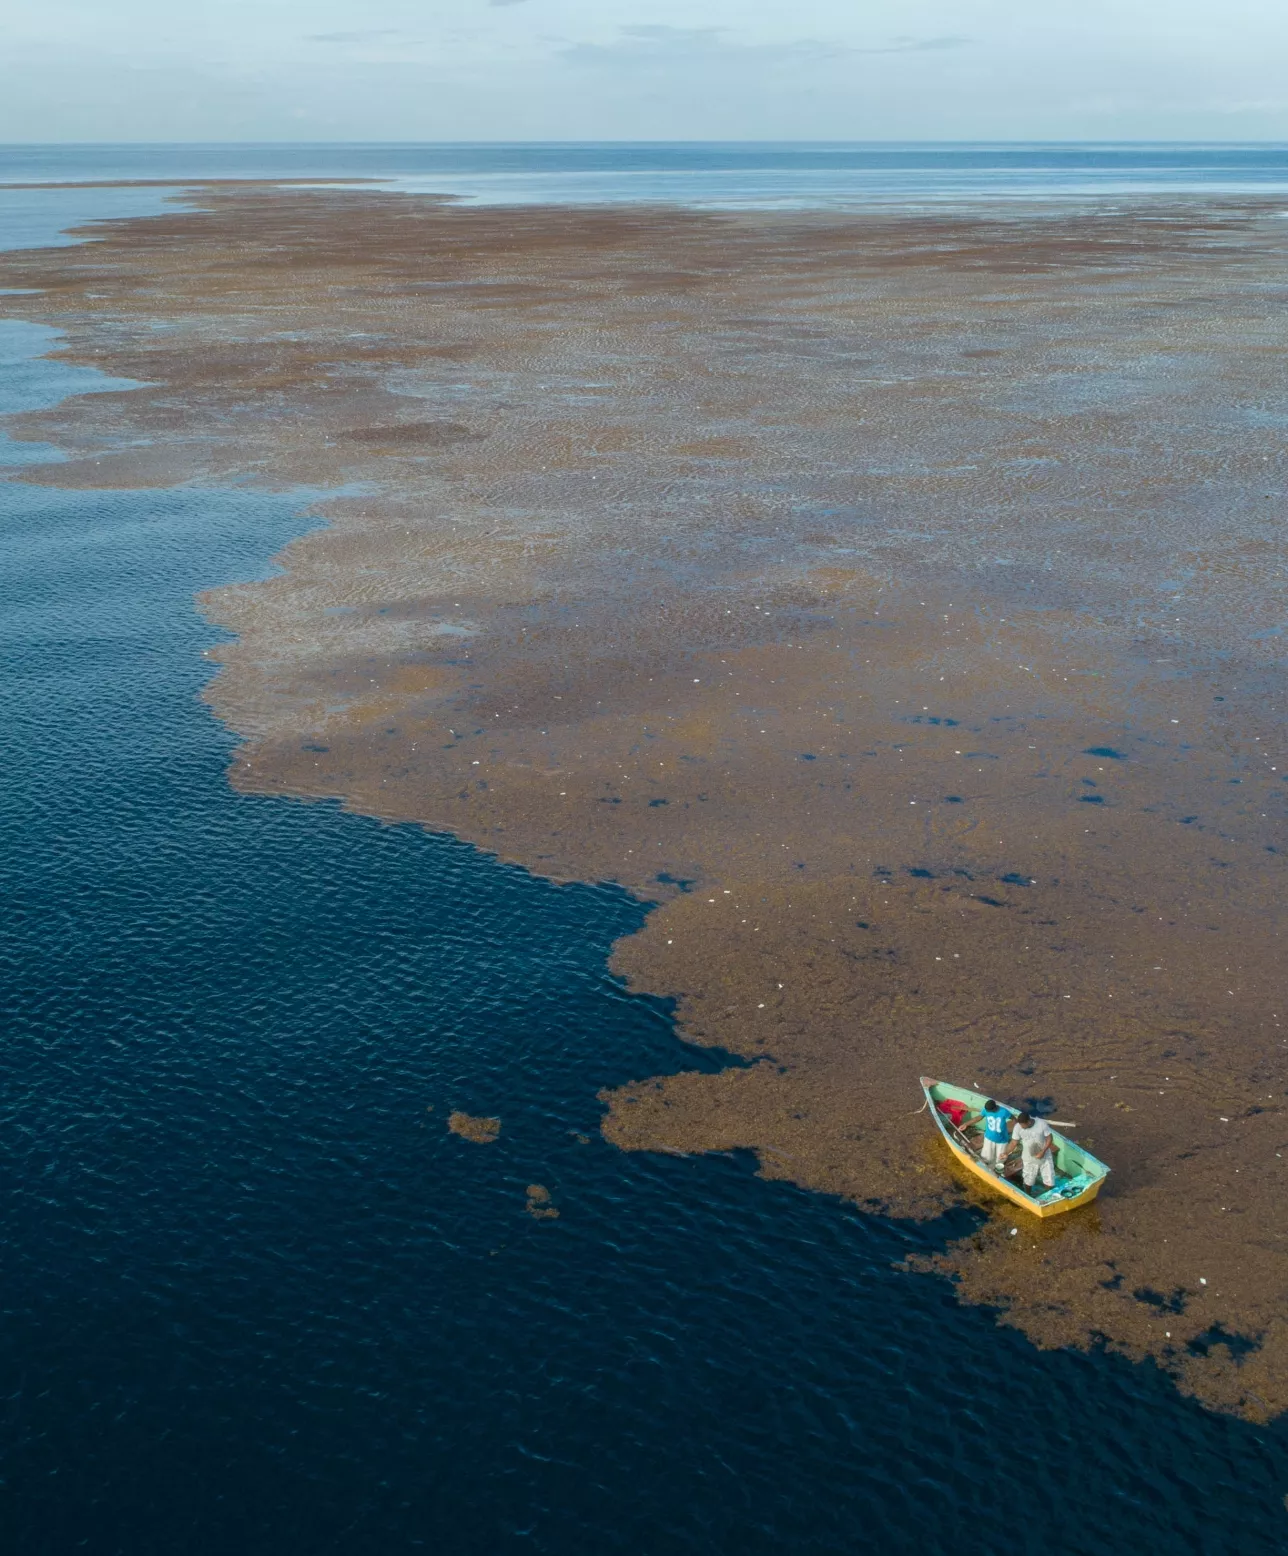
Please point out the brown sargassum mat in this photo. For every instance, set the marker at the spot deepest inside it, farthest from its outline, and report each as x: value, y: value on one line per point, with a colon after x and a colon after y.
x: 893, y: 598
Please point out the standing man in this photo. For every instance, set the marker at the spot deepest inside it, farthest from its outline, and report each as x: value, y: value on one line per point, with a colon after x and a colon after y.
x: 997, y: 1136
x: 1037, y: 1150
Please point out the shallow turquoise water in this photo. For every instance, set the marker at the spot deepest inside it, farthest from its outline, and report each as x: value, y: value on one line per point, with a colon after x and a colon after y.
x: 257, y: 1300
x: 702, y: 173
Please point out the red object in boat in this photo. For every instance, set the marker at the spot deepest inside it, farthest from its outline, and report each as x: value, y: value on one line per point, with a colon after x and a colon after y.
x: 954, y: 1110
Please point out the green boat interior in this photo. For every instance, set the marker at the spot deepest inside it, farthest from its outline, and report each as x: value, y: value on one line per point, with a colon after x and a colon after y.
x: 1075, y: 1169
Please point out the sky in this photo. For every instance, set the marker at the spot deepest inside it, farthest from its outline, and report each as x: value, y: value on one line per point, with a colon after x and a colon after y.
x: 248, y: 70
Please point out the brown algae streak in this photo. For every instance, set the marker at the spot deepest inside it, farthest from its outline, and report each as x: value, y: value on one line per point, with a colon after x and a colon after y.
x: 895, y: 597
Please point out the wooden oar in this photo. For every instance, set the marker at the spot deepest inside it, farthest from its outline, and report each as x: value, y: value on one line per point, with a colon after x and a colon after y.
x: 959, y: 1132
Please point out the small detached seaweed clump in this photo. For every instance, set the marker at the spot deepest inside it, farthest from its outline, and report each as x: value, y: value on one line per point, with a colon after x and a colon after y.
x: 482, y: 1131
x: 539, y: 1203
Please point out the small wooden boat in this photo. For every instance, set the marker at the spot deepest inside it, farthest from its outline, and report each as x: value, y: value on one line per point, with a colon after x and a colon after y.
x: 1078, y: 1175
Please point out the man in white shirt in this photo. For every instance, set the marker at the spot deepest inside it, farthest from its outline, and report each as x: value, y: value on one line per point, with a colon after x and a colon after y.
x: 1037, y: 1149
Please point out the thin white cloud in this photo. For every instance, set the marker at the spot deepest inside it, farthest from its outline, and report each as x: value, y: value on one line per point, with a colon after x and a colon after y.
x: 916, y: 45
x: 653, y: 47
x: 362, y: 35
x: 658, y: 47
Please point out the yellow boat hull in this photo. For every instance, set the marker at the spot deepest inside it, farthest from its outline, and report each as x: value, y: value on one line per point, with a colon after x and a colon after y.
x: 1016, y: 1195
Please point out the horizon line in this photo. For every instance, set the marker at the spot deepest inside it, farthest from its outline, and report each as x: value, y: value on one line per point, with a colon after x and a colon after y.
x: 1015, y: 141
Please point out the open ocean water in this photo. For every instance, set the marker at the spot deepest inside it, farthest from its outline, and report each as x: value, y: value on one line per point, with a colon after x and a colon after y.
x: 256, y: 1300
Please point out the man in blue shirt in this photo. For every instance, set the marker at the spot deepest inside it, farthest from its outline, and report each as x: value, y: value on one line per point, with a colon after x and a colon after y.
x: 997, y: 1135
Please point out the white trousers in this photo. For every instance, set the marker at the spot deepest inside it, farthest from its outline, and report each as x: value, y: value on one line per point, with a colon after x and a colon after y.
x: 992, y: 1152
x: 1032, y: 1165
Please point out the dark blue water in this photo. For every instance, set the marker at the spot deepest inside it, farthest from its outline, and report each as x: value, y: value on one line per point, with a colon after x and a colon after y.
x: 257, y: 1300
x: 707, y: 174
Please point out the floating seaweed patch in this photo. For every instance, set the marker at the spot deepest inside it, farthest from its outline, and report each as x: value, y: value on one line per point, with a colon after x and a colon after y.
x: 482, y: 1131
x: 539, y: 1206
